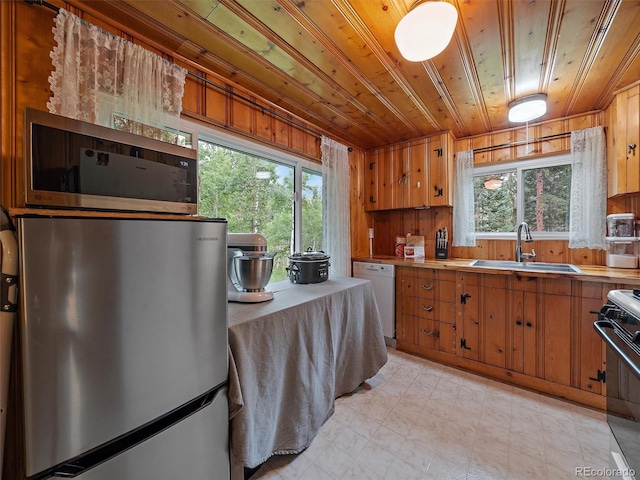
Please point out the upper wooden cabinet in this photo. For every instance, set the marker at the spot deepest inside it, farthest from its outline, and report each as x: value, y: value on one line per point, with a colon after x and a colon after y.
x: 623, y: 143
x: 440, y: 191
x: 410, y: 175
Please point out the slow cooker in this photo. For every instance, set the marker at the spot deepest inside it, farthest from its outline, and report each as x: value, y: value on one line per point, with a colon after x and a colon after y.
x: 308, y: 267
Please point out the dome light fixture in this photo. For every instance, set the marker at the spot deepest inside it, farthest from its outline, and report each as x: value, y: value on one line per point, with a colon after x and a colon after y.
x: 493, y: 184
x: 426, y: 30
x: 528, y: 108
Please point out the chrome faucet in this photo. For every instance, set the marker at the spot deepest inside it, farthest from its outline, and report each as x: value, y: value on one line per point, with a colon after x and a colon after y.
x: 527, y: 238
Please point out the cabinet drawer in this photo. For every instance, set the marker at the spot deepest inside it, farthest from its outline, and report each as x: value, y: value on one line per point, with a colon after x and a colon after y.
x: 426, y: 288
x: 435, y: 335
x: 426, y: 308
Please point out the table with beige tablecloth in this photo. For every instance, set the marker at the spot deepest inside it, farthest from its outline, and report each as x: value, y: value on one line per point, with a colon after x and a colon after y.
x: 292, y: 356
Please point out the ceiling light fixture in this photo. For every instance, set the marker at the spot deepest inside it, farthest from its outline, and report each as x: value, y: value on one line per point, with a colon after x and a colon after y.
x: 426, y: 30
x: 528, y: 108
x: 493, y: 184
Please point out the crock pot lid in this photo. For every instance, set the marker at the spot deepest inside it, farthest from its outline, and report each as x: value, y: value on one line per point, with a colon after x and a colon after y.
x: 309, y: 256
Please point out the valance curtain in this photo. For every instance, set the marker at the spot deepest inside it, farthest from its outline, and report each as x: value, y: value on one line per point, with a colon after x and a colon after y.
x: 101, y: 78
x: 588, y: 210
x: 464, y: 223
x: 336, y: 239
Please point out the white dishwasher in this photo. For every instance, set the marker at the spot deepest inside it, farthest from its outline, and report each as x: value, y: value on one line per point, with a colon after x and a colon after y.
x: 383, y: 280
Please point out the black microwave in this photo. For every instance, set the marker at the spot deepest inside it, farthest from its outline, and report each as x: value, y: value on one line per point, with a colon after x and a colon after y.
x: 80, y: 165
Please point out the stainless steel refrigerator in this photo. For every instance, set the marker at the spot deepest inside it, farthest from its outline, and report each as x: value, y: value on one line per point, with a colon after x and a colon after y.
x: 123, y: 325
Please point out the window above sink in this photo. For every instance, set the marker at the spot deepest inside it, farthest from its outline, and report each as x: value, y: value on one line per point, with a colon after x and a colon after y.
x: 535, y: 191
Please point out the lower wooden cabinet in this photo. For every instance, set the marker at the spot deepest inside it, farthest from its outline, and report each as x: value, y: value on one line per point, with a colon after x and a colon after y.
x: 554, y: 312
x: 533, y: 332
x: 523, y: 325
x: 589, y: 350
x: 482, y: 312
x: 425, y: 310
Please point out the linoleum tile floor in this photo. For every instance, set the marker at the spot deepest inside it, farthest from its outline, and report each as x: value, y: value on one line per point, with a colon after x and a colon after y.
x: 417, y: 419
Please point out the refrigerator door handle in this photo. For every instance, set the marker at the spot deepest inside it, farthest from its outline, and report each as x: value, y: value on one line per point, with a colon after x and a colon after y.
x: 78, y: 465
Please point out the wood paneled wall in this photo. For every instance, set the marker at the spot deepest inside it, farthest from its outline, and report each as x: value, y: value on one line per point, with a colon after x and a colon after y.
x: 27, y: 40
x: 560, y: 131
x: 387, y: 225
x: 24, y: 79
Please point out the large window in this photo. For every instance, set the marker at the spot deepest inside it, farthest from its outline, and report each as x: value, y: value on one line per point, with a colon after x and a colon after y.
x: 312, y: 209
x: 257, y: 194
x: 534, y: 191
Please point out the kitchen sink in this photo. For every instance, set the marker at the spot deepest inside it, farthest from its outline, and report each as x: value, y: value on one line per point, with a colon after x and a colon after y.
x: 526, y: 266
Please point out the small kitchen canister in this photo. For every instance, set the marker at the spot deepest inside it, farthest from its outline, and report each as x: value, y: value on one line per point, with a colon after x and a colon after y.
x: 621, y: 225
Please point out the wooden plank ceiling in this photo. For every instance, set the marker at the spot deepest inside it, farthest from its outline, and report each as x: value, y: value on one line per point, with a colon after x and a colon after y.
x: 335, y: 63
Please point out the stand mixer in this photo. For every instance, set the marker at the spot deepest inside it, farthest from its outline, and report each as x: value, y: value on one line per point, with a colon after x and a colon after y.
x: 249, y: 268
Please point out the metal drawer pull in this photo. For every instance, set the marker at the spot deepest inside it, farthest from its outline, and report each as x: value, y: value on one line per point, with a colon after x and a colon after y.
x: 424, y: 287
x: 424, y: 332
x: 428, y: 309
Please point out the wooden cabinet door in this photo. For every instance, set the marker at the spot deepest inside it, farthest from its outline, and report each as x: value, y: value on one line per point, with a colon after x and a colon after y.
x: 623, y: 159
x: 399, y: 176
x: 371, y: 168
x: 554, y: 313
x: 406, y: 301
x: 417, y: 180
x: 482, y: 317
x: 493, y: 320
x: 632, y: 139
x: 385, y: 178
x: 468, y: 315
x: 522, y: 324
x: 440, y: 170
x: 589, y: 363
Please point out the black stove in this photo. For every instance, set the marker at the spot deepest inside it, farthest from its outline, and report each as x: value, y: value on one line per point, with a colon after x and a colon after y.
x: 619, y: 326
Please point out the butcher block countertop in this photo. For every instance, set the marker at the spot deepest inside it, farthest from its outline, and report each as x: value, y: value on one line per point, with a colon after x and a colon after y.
x: 591, y: 273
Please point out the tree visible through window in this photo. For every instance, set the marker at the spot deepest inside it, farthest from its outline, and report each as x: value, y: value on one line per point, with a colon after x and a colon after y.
x: 537, y: 192
x: 547, y: 192
x: 257, y: 195
x: 312, y: 210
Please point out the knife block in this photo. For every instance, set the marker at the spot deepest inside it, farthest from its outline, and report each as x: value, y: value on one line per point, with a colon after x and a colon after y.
x: 442, y: 253
x: 442, y: 245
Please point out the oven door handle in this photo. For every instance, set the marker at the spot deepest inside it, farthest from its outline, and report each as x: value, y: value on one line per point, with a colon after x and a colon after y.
x: 603, y: 328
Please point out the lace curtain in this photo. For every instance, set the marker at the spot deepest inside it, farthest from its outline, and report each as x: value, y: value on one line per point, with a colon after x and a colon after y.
x: 588, y: 210
x: 104, y: 79
x: 464, y: 224
x: 336, y: 239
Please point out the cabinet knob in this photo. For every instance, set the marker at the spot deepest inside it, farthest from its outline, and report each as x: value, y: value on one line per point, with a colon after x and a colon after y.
x: 529, y: 324
x: 631, y: 148
x: 518, y: 322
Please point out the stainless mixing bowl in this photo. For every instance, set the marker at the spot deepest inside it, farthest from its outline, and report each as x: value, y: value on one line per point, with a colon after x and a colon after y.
x: 253, y: 271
